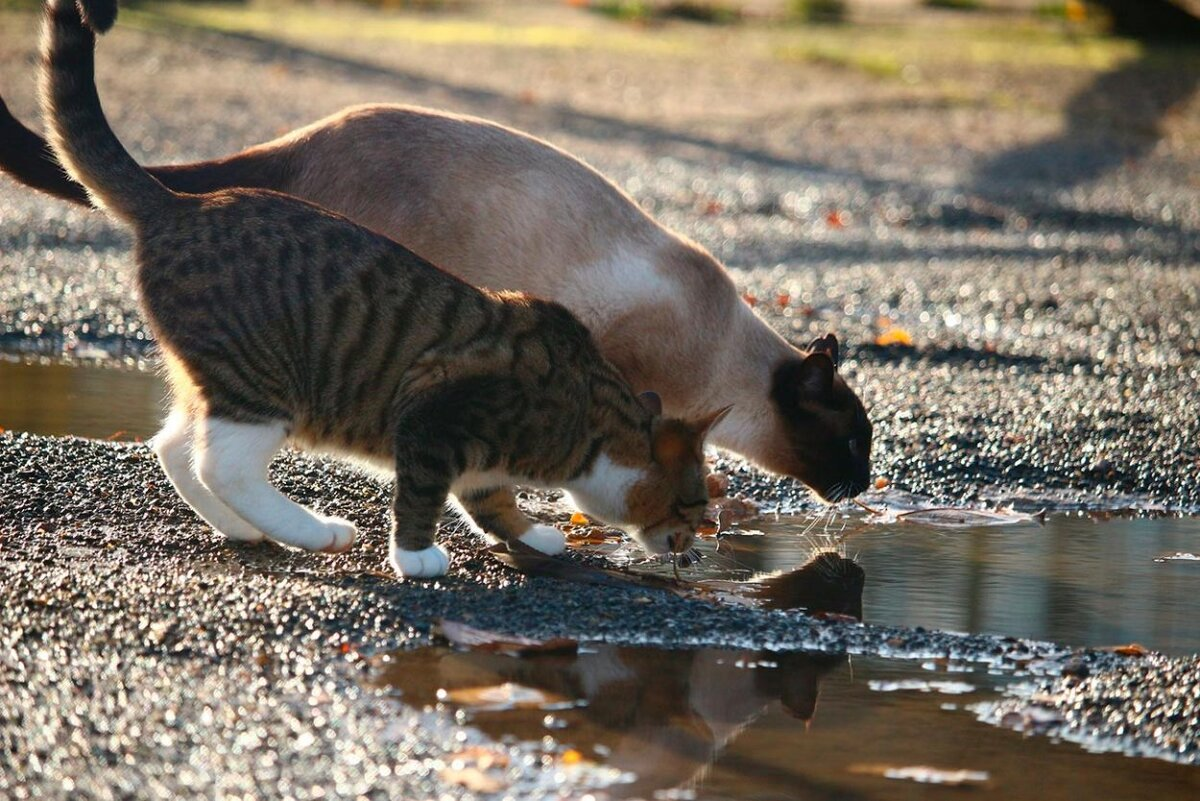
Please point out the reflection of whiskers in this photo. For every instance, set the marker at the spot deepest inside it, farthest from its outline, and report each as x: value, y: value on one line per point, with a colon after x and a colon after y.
x: 728, y: 560
x: 823, y: 541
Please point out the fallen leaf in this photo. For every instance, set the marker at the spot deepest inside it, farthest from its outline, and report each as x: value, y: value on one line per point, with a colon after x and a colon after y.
x: 571, y: 757
x: 465, y: 636
x: 783, y: 300
x: 1132, y: 649
x: 478, y: 756
x: 923, y: 774
x: 473, y: 779
x: 717, y: 484
x: 499, y: 697
x: 881, y: 483
x: 579, y: 519
x: 836, y: 219
x: 894, y: 336
x: 751, y: 301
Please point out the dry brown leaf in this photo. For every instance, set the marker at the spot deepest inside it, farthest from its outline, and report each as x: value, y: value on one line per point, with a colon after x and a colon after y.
x: 472, y: 779
x: 1132, y: 649
x: 499, y: 697
x: 465, y: 636
x: 479, y: 756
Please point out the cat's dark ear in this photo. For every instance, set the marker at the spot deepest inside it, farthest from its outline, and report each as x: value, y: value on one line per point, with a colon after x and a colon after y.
x: 652, y: 402
x: 800, y: 381
x: 828, y: 345
x: 814, y: 379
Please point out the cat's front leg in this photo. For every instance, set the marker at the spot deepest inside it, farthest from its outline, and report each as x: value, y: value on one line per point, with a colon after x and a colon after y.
x: 495, y: 512
x: 424, y: 471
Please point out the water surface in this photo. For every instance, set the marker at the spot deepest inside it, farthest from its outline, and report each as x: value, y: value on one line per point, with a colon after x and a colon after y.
x: 715, y: 725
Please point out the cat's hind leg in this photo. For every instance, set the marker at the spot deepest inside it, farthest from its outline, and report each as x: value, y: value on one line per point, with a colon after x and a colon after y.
x: 495, y: 512
x: 174, y: 447
x: 232, y: 461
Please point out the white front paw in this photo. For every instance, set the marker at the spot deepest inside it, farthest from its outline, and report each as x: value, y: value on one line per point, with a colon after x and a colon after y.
x: 546, y: 539
x: 342, y: 534
x: 426, y: 563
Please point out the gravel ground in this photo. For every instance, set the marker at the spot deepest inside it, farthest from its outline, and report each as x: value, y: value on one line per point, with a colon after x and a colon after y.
x: 141, y: 657
x: 1040, y: 251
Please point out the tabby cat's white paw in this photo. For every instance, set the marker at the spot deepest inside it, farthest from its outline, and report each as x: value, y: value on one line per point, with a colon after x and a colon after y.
x: 427, y: 563
x: 238, y: 530
x: 546, y: 539
x: 342, y: 534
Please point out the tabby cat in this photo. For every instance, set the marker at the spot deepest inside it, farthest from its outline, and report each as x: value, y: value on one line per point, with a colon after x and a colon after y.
x: 279, y: 320
x: 560, y: 230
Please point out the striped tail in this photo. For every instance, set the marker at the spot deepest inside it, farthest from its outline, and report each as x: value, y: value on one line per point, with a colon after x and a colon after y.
x: 26, y: 158
x: 78, y: 131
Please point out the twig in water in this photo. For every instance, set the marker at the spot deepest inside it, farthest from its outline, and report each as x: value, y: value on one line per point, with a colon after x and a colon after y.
x: 870, y: 509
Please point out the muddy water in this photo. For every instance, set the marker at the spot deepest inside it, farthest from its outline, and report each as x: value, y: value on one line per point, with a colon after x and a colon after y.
x: 98, y: 402
x: 1073, y: 580
x: 712, y: 725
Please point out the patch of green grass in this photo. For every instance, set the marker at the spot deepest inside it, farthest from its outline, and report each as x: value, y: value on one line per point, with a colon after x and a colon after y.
x: 885, y: 49
x: 879, y: 65
x: 1055, y: 10
x: 624, y: 10
x: 314, y: 24
x: 713, y: 13
x: 956, y: 5
x: 817, y: 10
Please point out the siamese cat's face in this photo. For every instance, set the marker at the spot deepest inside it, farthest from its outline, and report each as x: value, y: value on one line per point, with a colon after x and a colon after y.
x: 825, y: 436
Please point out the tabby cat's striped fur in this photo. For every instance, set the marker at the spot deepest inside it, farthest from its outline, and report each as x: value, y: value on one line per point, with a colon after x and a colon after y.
x: 280, y: 320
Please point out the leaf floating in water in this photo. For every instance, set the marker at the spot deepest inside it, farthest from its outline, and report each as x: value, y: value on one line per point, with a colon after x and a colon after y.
x: 953, y: 517
x: 500, y: 698
x: 1179, y: 556
x: 923, y: 774
x: 920, y: 685
x: 465, y: 636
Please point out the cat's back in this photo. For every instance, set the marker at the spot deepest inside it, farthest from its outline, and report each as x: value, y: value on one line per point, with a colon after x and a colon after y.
x: 496, y: 206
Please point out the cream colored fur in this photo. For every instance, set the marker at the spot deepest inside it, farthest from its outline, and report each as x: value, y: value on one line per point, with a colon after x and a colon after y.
x: 505, y: 210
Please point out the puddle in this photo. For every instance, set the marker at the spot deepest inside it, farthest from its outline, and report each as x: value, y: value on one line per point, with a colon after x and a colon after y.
x: 714, y: 725
x: 97, y: 402
x: 1072, y: 580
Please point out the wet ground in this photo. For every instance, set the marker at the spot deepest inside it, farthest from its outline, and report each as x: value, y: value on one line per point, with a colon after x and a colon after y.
x: 1039, y: 252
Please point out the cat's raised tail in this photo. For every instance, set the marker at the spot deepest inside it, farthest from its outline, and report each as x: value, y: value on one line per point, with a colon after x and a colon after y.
x: 26, y: 157
x: 78, y: 130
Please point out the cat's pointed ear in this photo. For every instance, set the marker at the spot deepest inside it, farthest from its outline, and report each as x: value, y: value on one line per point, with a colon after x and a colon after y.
x: 828, y: 345
x: 652, y: 402
x: 814, y: 378
x: 706, y: 424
